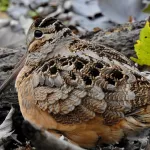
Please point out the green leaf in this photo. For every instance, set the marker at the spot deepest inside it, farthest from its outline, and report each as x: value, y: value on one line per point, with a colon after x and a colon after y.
x: 142, y: 47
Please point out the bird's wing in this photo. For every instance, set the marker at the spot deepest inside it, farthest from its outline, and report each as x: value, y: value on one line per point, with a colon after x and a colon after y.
x: 103, y: 50
x: 75, y: 89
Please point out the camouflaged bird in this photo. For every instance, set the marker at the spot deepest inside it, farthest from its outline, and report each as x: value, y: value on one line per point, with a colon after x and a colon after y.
x: 67, y: 88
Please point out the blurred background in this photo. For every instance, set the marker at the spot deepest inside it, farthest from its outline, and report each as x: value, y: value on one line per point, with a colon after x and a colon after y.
x: 80, y: 15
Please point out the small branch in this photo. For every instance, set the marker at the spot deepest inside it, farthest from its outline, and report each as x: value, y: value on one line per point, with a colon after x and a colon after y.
x: 43, y: 140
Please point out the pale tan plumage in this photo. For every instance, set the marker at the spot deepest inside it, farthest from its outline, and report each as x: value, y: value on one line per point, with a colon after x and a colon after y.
x: 68, y: 88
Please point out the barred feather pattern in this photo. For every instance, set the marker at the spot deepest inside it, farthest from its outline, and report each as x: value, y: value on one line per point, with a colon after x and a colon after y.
x: 74, y: 89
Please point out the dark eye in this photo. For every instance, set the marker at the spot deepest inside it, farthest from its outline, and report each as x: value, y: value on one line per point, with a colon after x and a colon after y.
x: 38, y: 34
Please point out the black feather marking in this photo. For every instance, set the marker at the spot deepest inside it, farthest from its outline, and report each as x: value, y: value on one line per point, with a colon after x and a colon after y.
x: 45, y: 67
x: 67, y: 32
x: 47, y: 22
x: 58, y: 26
x: 99, y: 65
x: 87, y: 80
x: 116, y: 74
x: 94, y: 72
x: 78, y: 65
x: 53, y: 70
x: 73, y: 76
x: 37, y: 22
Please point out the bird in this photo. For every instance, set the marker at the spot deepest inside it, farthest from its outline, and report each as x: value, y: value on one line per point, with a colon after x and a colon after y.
x: 87, y: 92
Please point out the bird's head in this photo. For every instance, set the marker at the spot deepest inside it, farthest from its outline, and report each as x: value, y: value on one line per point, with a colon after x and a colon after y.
x: 45, y: 30
x: 44, y: 35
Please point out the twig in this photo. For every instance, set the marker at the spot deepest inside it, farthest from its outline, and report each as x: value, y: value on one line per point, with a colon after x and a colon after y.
x: 43, y: 140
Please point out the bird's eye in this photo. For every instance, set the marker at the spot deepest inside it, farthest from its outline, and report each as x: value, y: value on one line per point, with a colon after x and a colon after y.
x: 38, y: 34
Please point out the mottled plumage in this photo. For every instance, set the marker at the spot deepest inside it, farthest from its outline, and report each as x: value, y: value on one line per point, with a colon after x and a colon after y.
x: 66, y: 86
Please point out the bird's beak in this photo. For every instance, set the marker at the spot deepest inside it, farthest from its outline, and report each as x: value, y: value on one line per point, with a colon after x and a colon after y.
x: 17, y: 69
